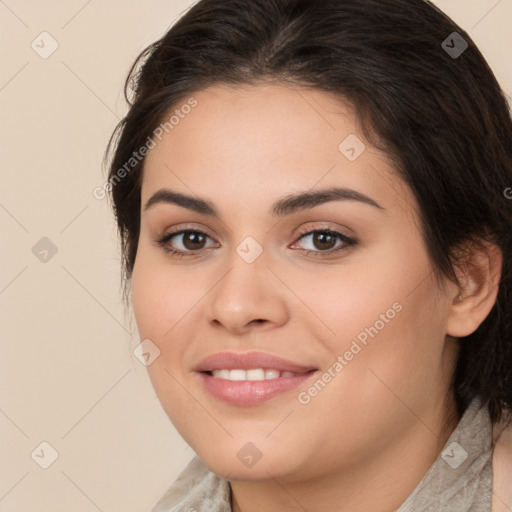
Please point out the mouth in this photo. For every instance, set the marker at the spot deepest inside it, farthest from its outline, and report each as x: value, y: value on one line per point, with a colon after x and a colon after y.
x: 245, y: 388
x: 252, y: 374
x: 250, y: 379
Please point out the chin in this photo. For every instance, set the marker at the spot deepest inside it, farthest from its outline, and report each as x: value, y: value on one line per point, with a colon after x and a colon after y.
x: 244, y: 461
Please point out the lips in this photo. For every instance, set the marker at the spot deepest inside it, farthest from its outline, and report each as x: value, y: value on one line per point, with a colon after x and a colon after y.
x: 248, y: 361
x: 281, y: 375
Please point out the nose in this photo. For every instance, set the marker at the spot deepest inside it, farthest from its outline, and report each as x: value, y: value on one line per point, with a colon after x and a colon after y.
x: 248, y: 297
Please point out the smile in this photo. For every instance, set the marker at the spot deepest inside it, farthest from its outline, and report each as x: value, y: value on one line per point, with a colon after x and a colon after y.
x: 246, y: 388
x: 254, y: 374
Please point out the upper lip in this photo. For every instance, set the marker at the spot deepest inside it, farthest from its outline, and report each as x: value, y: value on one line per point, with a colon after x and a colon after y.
x: 248, y: 360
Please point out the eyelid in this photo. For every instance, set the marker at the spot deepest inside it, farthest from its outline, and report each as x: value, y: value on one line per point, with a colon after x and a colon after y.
x: 306, y: 230
x: 186, y: 227
x: 169, y: 235
x: 324, y: 226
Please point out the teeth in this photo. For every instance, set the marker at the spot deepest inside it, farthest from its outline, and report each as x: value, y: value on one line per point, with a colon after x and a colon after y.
x: 253, y: 374
x: 272, y: 374
x: 237, y: 375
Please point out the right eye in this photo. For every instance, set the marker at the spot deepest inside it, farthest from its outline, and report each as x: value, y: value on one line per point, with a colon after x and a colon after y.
x: 189, y: 242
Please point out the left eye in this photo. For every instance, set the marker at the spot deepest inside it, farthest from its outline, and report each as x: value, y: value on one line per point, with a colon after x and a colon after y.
x: 326, y: 241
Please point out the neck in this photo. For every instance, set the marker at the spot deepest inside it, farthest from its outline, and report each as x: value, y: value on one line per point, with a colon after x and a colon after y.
x: 380, y: 484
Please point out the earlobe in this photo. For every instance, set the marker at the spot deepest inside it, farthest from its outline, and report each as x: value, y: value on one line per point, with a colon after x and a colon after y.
x: 479, y: 275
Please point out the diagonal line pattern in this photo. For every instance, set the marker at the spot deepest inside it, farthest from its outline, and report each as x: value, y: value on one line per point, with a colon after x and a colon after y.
x: 1, y: 411
x: 296, y: 90
x: 486, y: 14
x: 85, y: 494
x: 13, y: 13
x: 95, y: 299
x: 13, y: 217
x: 291, y: 496
x: 97, y: 402
x: 14, y: 76
x: 420, y: 283
x: 334, y: 334
x: 198, y: 402
x: 415, y: 288
x: 75, y: 15
x: 405, y: 405
x: 13, y: 279
x: 12, y: 488
x: 71, y: 71
x: 502, y: 502
x: 74, y: 218
x: 275, y: 428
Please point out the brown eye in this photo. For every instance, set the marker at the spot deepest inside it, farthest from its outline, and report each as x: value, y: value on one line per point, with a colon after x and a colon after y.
x: 193, y: 240
x: 324, y: 241
x: 184, y: 242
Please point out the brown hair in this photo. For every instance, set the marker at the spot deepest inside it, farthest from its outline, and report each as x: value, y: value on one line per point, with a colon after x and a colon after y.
x: 441, y: 116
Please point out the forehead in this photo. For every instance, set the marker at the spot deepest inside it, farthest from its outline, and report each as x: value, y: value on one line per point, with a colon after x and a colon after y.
x: 251, y: 142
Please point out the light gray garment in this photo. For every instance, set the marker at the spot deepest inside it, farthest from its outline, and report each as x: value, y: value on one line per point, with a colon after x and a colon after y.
x: 460, y: 480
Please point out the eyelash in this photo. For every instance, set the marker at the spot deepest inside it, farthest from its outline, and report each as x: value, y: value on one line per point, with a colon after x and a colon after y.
x: 347, y: 242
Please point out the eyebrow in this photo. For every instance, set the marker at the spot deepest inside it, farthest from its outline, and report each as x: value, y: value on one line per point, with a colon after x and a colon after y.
x: 285, y: 206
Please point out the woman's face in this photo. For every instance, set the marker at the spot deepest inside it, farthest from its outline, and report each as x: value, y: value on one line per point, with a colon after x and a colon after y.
x: 338, y: 285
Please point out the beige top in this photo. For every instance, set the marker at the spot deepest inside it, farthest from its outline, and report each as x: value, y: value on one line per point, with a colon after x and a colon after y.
x: 467, y: 476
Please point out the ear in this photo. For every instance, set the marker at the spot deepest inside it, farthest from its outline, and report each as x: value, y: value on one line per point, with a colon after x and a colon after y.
x: 479, y: 272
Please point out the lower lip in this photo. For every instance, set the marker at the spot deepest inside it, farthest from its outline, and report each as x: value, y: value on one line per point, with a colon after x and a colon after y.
x: 247, y: 392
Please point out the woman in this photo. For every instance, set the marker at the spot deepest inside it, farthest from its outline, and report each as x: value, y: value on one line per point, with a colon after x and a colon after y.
x: 313, y: 208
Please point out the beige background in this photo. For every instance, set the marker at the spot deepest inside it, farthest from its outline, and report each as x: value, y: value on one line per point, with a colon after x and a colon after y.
x: 68, y: 375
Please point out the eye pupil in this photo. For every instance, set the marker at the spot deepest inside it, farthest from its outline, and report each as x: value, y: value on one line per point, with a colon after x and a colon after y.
x: 324, y: 240
x: 193, y: 240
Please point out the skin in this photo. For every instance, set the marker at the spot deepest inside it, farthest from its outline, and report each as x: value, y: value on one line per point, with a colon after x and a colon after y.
x: 365, y: 441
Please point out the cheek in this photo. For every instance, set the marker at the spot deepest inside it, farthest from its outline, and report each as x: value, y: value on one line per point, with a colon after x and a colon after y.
x: 161, y: 296
x: 149, y: 301
x: 384, y: 315
x: 392, y: 354
x: 161, y: 300
x: 367, y: 292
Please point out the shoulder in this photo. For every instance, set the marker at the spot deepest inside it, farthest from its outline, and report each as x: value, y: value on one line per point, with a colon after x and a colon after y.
x: 502, y: 466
